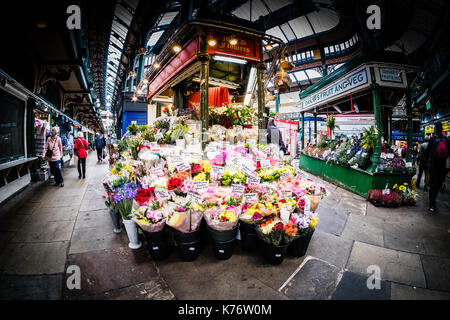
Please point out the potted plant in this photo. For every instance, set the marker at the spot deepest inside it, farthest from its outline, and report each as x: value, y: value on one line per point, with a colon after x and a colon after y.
x: 185, y: 221
x: 276, y: 236
x: 124, y: 203
x: 331, y: 124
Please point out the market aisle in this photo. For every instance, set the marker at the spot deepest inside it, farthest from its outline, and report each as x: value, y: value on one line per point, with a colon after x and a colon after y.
x: 46, y: 229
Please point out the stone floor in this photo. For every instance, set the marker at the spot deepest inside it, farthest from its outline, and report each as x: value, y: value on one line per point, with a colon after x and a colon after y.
x: 45, y: 230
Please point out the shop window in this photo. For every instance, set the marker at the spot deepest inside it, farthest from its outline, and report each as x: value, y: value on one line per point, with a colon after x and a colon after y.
x: 11, y: 127
x: 351, y: 42
x: 331, y: 49
x: 327, y: 52
x: 303, y: 56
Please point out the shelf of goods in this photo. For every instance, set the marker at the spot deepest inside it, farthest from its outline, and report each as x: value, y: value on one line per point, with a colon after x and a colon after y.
x: 232, y: 188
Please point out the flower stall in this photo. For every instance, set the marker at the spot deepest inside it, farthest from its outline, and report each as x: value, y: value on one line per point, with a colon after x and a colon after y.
x: 168, y: 194
x: 364, y: 85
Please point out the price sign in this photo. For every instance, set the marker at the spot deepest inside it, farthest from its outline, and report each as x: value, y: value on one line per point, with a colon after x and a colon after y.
x: 182, y: 167
x: 284, y: 214
x: 162, y: 194
x: 253, y: 179
x: 386, y: 192
x: 265, y: 164
x: 296, y: 163
x: 153, y: 144
x: 217, y: 172
x: 193, y: 197
x: 390, y: 156
x: 247, y: 171
x: 286, y: 194
x: 409, y: 165
x: 201, y: 186
x: 196, y: 156
x: 173, y: 195
x: 210, y: 148
x: 237, y: 188
x: 159, y: 172
x: 250, y: 198
x: 285, y: 174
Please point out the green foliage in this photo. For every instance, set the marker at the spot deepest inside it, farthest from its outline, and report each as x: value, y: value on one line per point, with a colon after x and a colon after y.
x: 162, y: 124
x: 331, y: 123
x: 179, y: 132
x: 369, y: 138
x: 322, y: 144
x: 143, y: 128
x: 122, y: 145
x: 273, y: 114
x: 133, y: 129
x: 332, y: 145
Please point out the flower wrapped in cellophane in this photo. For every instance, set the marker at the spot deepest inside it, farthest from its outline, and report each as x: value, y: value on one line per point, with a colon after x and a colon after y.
x: 223, y: 217
x: 151, y: 217
x: 183, y: 218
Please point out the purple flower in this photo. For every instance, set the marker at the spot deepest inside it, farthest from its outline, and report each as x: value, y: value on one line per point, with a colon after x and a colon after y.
x: 118, y: 198
x: 180, y: 209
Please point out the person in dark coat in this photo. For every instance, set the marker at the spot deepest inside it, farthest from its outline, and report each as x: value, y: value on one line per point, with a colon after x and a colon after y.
x: 438, y: 151
x: 274, y: 133
x: 99, y: 145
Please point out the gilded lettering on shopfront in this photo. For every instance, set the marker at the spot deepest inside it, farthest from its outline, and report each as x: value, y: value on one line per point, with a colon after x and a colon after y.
x: 355, y: 80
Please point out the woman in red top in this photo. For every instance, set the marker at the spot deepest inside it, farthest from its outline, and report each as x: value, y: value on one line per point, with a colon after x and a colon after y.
x: 80, y: 148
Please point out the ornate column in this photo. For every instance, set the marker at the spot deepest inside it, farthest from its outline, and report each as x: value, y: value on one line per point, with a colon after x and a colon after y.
x: 260, y: 67
x: 204, y: 57
x: 378, y: 126
x: 410, y: 126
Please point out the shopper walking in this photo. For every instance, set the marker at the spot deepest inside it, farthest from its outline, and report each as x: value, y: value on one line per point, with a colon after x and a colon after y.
x: 414, y: 155
x: 424, y: 165
x: 53, y: 153
x: 99, y: 145
x: 274, y: 135
x: 81, y: 145
x: 438, y: 151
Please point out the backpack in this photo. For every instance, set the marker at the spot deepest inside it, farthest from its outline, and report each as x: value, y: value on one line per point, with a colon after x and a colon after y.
x: 440, y: 149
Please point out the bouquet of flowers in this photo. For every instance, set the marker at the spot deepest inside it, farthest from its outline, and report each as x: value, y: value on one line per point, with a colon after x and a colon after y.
x: 252, y: 213
x: 409, y: 196
x: 305, y: 222
x: 151, y: 217
x: 183, y: 218
x: 222, y: 218
x: 276, y: 232
x: 123, y: 200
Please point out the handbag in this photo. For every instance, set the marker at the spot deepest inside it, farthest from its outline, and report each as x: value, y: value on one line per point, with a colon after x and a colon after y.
x: 49, y: 152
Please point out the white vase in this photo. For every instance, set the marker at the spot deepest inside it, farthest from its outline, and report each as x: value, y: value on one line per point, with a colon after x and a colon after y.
x: 131, y: 228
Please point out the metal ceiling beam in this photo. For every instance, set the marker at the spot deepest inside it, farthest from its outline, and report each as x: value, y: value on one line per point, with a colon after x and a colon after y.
x: 287, y: 13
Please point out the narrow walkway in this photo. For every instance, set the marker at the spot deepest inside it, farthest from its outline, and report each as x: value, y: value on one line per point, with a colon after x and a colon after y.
x: 46, y: 229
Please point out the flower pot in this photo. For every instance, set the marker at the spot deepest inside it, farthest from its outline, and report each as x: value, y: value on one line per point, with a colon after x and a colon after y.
x: 115, y: 217
x: 223, y: 250
x: 131, y: 228
x: 157, y: 244
x: 249, y: 237
x: 222, y: 236
x: 189, y: 251
x: 299, y: 246
x: 274, y: 254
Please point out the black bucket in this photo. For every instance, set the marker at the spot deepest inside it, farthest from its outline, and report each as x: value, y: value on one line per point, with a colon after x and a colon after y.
x: 298, y: 247
x: 249, y: 237
x: 274, y: 254
x: 187, y: 237
x: 222, y: 236
x: 157, y: 245
x: 189, y: 251
x: 223, y: 250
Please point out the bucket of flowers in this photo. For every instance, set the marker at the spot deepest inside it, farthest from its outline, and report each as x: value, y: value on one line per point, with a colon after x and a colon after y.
x: 123, y: 201
x: 306, y: 223
x: 276, y: 235
x: 251, y: 214
x: 222, y: 223
x: 185, y: 220
x: 408, y: 194
x: 151, y: 218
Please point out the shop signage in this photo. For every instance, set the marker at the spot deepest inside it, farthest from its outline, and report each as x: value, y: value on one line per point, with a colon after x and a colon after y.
x: 246, y: 47
x: 428, y: 105
x: 347, y: 85
x: 391, y: 75
x: 446, y: 126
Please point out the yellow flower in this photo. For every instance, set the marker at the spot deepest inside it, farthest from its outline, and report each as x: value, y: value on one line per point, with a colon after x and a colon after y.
x: 402, y: 188
x: 200, y: 177
x: 132, y: 176
x: 121, y: 173
x: 128, y: 168
x: 405, y: 184
x: 395, y: 187
x: 314, y: 222
x: 113, y: 171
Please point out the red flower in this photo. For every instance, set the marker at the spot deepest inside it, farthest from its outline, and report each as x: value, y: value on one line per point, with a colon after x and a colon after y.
x: 174, y: 183
x: 278, y: 226
x: 283, y: 200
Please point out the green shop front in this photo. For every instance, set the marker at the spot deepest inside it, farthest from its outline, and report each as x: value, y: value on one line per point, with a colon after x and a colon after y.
x: 363, y: 85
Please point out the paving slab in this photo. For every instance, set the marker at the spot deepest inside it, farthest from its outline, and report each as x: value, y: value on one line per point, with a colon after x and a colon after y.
x: 30, y: 287
x: 91, y: 219
x: 352, y: 206
x: 402, y: 292
x: 330, y: 220
x: 5, y: 238
x: 151, y: 290
x: 45, y: 232
x: 107, y: 270
x: 316, y: 280
x: 330, y: 248
x: 364, y: 229
x: 397, y: 266
x: 54, y: 214
x: 353, y: 286
x: 34, y: 258
x: 97, y: 238
x: 93, y: 205
x: 437, y: 272
x: 13, y: 223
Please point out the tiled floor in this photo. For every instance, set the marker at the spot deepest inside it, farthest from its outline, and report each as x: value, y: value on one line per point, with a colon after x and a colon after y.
x: 46, y: 229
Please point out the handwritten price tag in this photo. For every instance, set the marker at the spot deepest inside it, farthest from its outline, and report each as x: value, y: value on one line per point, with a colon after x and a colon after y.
x: 286, y: 194
x: 284, y: 215
x: 201, y: 186
x: 265, y: 164
x: 193, y: 197
x: 237, y: 188
x: 285, y: 174
x: 217, y: 172
x: 250, y: 198
x: 386, y: 192
x: 409, y: 165
x: 296, y: 163
x: 182, y: 167
x: 162, y: 194
x: 159, y: 172
x: 253, y: 179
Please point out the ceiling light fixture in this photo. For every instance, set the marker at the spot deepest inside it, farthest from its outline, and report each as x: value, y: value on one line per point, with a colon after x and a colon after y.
x: 145, y: 81
x: 212, y: 41
x: 269, y: 47
x: 156, y: 65
x: 233, y: 40
x: 176, y: 48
